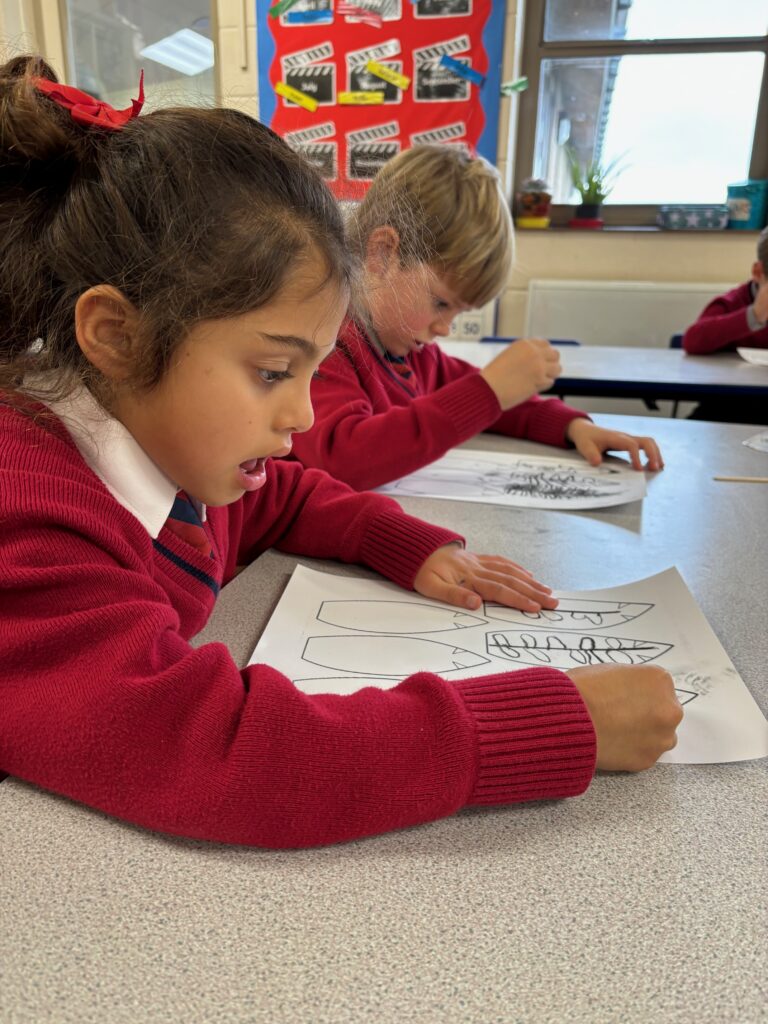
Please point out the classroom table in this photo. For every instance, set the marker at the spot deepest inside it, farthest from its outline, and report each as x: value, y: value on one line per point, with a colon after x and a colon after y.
x: 642, y: 901
x: 617, y: 371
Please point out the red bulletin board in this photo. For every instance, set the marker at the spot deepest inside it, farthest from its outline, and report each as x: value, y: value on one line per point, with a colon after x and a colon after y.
x: 321, y: 52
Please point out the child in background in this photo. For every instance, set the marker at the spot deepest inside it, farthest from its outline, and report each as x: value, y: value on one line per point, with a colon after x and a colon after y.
x: 170, y: 284
x: 737, y: 319
x: 435, y: 235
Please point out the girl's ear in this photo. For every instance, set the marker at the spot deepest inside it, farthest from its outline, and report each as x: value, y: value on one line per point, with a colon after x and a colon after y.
x: 382, y: 250
x: 106, y: 326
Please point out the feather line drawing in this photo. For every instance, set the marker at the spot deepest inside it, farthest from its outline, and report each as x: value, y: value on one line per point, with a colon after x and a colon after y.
x: 395, y: 617
x: 569, y: 650
x: 573, y: 613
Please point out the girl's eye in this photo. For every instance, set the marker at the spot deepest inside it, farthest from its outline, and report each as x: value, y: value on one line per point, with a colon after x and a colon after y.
x: 439, y: 303
x: 273, y: 376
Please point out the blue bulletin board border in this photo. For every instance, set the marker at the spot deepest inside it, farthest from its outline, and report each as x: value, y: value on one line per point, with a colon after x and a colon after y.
x: 490, y: 95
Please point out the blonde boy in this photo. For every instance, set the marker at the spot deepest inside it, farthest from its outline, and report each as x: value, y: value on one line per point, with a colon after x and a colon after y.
x: 435, y: 238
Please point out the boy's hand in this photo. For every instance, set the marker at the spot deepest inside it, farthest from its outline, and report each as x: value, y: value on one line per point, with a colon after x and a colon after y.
x: 591, y: 441
x: 524, y: 368
x: 458, y: 577
x: 634, y: 710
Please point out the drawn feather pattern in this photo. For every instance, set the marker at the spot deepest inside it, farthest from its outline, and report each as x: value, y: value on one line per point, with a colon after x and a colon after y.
x: 572, y: 613
x: 395, y: 616
x: 569, y: 650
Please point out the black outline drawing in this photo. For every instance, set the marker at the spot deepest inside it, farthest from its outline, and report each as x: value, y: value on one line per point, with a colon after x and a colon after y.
x: 454, y: 618
x: 689, y: 695
x: 396, y: 655
x: 522, y: 481
x: 573, y: 613
x: 570, y: 650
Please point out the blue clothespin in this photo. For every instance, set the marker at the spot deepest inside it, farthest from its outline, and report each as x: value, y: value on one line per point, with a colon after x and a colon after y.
x: 461, y: 70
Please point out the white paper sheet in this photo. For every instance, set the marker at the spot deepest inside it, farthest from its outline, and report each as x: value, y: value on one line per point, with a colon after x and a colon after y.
x: 758, y: 441
x: 758, y: 356
x: 333, y: 634
x: 523, y: 481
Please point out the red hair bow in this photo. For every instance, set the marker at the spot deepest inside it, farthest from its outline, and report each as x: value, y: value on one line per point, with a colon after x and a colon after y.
x: 85, y: 109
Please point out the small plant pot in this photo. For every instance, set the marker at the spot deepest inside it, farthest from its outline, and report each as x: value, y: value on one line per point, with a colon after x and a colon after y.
x: 587, y: 216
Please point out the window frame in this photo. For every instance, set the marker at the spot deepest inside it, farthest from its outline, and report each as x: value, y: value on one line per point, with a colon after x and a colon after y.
x: 535, y: 49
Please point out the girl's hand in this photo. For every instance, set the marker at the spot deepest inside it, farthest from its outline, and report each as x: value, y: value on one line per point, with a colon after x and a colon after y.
x: 458, y: 577
x: 592, y: 441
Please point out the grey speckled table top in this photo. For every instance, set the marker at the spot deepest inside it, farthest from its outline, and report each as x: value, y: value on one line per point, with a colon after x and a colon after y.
x: 646, y: 900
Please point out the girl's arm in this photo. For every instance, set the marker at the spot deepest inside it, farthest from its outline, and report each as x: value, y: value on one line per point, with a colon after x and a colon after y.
x: 105, y: 702
x: 366, y: 449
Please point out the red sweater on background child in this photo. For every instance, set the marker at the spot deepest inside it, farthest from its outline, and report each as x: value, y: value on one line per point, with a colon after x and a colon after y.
x: 379, y: 417
x: 726, y: 324
x: 104, y: 700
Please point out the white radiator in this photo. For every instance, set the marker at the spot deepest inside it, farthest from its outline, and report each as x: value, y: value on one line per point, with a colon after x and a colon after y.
x: 616, y: 312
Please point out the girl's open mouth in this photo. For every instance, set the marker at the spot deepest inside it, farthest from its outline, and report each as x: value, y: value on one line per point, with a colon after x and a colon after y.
x: 253, y: 474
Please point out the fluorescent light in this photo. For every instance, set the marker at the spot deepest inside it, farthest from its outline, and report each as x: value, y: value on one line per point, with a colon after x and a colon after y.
x: 184, y: 51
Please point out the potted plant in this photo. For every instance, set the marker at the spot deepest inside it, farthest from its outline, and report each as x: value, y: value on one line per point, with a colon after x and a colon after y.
x: 594, y: 183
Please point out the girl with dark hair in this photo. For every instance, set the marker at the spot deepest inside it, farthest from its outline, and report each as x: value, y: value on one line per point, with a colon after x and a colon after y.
x: 170, y: 283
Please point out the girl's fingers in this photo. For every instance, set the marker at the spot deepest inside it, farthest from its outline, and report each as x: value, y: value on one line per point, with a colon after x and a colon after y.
x: 507, y: 590
x: 526, y: 584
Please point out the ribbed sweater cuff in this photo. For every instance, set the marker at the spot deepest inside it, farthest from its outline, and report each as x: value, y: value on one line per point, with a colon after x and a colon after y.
x: 550, y: 420
x: 535, y: 738
x: 396, y: 545
x: 470, y: 405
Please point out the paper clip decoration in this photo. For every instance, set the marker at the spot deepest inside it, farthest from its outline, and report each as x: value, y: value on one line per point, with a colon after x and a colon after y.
x: 360, y: 99
x: 281, y: 7
x: 516, y: 85
x: 388, y: 74
x: 295, y: 96
x: 461, y: 70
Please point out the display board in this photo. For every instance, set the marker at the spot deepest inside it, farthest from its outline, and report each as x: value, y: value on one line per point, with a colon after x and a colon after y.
x: 350, y: 84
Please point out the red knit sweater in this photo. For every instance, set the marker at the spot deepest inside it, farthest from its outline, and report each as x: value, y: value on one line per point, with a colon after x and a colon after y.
x: 724, y: 325
x: 103, y: 699
x: 373, y: 425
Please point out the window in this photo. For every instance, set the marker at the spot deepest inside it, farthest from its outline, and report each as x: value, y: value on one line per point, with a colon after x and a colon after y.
x: 673, y: 92
x: 109, y: 42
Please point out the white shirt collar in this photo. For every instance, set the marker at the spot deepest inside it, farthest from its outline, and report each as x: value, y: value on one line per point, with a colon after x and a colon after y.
x: 122, y: 465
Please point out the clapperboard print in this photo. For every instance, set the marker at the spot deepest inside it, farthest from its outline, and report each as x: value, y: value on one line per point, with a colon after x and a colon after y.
x: 449, y: 133
x: 390, y: 10
x: 365, y: 159
x: 368, y: 149
x: 442, y: 8
x: 316, y: 80
x: 324, y: 156
x: 313, y: 144
x: 306, y: 6
x: 360, y: 79
x: 435, y: 83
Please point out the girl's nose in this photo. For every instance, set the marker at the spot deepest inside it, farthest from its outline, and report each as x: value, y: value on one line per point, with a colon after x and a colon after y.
x: 297, y: 415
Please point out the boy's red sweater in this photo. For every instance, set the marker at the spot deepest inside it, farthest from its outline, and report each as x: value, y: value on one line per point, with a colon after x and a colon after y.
x: 103, y: 699
x: 373, y: 425
x: 723, y: 325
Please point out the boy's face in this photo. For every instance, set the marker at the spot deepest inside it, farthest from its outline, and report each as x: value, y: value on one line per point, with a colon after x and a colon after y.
x: 236, y: 392
x: 411, y: 307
